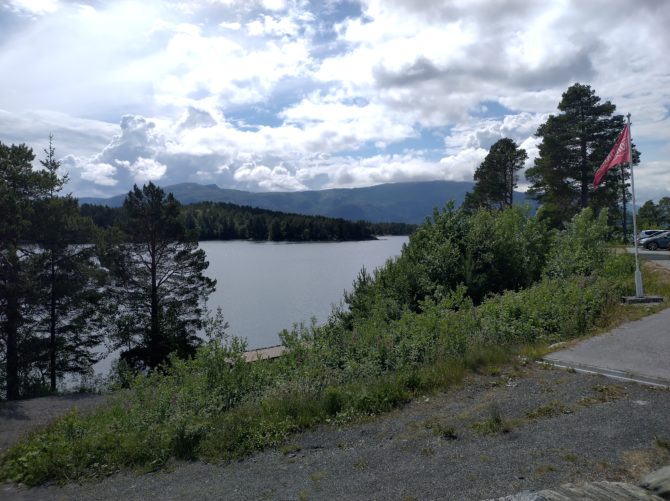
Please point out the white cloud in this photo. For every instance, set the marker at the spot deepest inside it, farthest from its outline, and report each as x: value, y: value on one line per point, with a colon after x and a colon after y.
x: 276, y: 179
x: 231, y: 25
x: 146, y: 169
x: 287, y: 94
x: 100, y: 173
x: 36, y: 7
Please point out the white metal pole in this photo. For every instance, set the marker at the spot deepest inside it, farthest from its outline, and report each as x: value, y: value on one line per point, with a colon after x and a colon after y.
x: 639, y: 291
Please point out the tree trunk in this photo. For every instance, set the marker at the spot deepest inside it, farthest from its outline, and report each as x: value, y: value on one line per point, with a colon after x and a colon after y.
x: 154, y: 342
x: 52, y: 327
x: 12, y: 323
x: 584, y: 198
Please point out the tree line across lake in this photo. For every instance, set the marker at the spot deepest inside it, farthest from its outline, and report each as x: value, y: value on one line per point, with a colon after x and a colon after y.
x: 226, y: 221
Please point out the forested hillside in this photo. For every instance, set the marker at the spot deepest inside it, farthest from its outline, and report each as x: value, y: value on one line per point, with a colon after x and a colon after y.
x: 225, y: 221
x: 402, y: 202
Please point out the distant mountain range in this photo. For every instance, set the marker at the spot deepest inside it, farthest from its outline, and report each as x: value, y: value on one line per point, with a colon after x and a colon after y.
x: 398, y: 202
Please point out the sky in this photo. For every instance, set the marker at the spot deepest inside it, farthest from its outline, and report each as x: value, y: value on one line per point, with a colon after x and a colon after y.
x: 286, y: 95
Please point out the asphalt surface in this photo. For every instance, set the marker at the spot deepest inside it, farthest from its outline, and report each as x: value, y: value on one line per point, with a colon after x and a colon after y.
x: 638, y: 350
x: 660, y: 256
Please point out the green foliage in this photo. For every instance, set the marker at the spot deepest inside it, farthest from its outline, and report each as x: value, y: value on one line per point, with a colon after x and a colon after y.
x: 581, y: 247
x: 159, y: 283
x: 496, y: 178
x: 574, y: 144
x: 225, y: 221
x: 486, y: 252
x: 653, y: 215
x: 22, y: 190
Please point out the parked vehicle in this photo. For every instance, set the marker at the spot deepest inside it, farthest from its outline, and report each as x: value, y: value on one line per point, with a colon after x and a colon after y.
x: 646, y: 234
x: 658, y: 241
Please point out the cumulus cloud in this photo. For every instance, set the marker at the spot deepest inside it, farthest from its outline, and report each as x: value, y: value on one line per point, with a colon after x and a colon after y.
x: 36, y: 7
x: 99, y: 173
x: 291, y: 95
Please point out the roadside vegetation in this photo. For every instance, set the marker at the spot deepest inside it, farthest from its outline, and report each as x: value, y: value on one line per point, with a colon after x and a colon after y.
x: 416, y: 325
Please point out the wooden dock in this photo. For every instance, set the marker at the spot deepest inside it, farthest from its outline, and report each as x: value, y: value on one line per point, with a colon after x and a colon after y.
x: 264, y: 353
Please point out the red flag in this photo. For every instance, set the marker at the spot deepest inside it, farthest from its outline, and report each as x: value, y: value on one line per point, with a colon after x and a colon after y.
x: 619, y: 154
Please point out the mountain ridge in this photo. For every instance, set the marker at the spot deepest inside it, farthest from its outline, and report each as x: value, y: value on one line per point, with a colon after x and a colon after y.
x: 409, y: 202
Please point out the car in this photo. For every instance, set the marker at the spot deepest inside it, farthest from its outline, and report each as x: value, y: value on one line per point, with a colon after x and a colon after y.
x: 646, y: 234
x: 658, y: 241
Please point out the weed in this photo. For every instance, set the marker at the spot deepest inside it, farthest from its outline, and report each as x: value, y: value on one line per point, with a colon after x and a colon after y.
x: 440, y: 429
x: 604, y: 394
x: 427, y: 452
x: 570, y: 458
x: 493, y: 371
x: 543, y: 469
x: 303, y: 496
x: 551, y: 409
x: 317, y: 476
x: 662, y: 443
x: 287, y: 449
x: 361, y: 464
x: 494, y: 423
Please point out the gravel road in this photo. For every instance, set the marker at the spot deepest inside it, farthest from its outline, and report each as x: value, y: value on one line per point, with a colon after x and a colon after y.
x: 555, y: 427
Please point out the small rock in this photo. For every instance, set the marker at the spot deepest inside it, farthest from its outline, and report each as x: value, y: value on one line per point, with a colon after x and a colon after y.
x: 658, y: 482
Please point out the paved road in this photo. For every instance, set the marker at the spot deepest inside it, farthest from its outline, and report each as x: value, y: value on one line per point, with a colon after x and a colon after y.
x: 638, y: 350
x: 661, y: 257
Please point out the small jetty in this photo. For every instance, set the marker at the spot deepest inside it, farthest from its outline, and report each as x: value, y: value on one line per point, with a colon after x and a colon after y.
x: 264, y: 353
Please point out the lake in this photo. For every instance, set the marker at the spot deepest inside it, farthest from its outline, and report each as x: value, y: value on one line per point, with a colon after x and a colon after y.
x: 264, y: 287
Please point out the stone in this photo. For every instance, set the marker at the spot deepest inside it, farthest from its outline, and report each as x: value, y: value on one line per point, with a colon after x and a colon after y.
x: 658, y: 482
x: 641, y: 300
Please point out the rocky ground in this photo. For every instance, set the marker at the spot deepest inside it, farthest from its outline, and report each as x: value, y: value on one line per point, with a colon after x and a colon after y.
x: 514, y: 429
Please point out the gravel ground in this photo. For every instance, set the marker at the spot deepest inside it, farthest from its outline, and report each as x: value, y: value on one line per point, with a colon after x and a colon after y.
x: 18, y: 418
x: 559, y: 427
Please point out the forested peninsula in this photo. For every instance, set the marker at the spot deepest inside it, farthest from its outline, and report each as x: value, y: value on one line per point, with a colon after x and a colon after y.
x: 226, y: 221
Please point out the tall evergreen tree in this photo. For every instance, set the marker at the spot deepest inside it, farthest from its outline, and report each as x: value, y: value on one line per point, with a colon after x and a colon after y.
x: 20, y: 188
x: 496, y: 177
x: 66, y: 281
x: 160, y: 283
x: 574, y: 144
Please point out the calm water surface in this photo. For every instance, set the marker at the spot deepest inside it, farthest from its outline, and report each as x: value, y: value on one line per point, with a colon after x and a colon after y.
x: 264, y: 287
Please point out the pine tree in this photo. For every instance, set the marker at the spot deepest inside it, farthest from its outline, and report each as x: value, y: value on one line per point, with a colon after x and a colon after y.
x: 574, y: 144
x: 69, y: 283
x: 21, y: 188
x: 161, y: 288
x: 496, y: 177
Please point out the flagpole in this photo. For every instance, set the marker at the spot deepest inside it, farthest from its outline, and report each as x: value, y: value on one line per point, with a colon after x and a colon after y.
x: 639, y: 292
